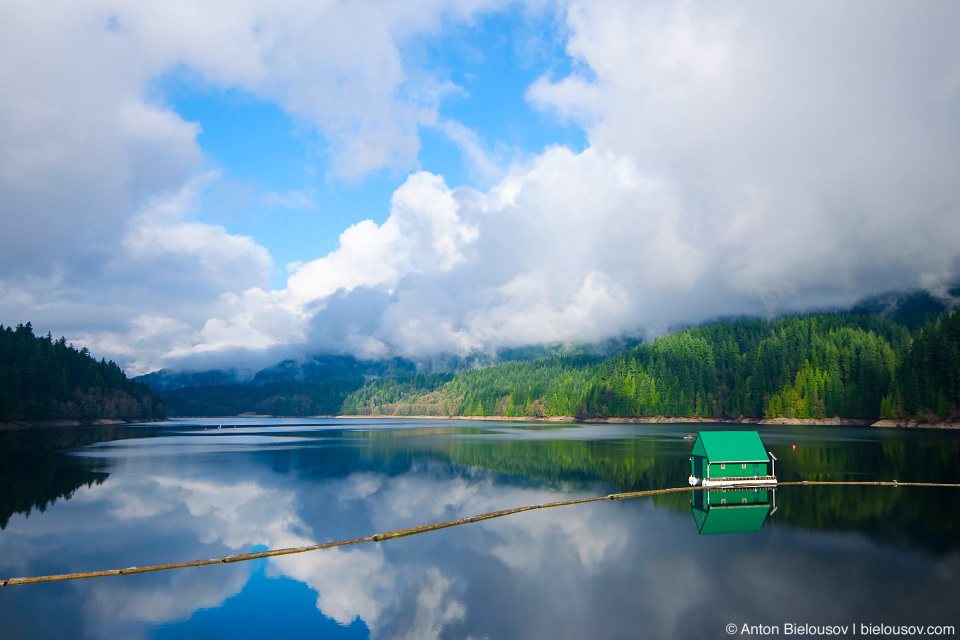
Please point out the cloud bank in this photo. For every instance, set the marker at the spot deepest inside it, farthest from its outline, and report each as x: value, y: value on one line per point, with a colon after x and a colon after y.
x: 744, y: 158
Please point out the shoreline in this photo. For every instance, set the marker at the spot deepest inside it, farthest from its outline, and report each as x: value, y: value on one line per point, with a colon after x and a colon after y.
x: 15, y: 425
x: 904, y: 423
x: 819, y: 422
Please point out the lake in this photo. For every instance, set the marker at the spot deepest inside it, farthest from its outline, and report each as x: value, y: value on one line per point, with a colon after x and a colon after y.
x: 110, y: 497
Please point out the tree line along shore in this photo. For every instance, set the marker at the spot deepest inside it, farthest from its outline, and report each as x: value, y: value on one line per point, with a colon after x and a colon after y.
x: 810, y: 369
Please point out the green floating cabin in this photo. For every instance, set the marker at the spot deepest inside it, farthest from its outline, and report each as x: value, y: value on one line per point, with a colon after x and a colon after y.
x: 724, y: 458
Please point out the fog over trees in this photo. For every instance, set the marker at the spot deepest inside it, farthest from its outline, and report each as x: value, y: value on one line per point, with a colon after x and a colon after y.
x: 849, y: 365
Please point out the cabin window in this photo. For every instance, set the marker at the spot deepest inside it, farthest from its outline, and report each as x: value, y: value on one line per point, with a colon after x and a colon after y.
x: 723, y: 465
x: 744, y: 501
x: 743, y: 466
x: 723, y: 501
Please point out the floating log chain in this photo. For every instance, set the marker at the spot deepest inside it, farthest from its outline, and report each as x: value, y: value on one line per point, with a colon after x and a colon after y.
x: 400, y: 533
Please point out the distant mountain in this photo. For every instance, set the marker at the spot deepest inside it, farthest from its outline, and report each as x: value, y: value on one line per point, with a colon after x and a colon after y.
x: 325, y: 368
x: 321, y: 385
x: 319, y: 368
x: 166, y: 380
x: 332, y: 367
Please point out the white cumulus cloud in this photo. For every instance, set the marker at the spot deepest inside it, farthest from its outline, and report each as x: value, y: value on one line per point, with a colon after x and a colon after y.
x: 743, y: 158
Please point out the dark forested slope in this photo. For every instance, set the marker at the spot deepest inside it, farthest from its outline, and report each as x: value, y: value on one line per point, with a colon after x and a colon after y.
x: 290, y: 398
x: 44, y: 379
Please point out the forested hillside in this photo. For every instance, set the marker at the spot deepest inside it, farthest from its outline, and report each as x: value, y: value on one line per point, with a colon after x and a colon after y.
x: 44, y: 379
x: 814, y: 366
x: 928, y: 378
x: 810, y: 366
x: 274, y: 398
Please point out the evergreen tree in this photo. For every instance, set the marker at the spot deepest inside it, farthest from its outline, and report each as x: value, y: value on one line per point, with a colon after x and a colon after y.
x: 43, y: 379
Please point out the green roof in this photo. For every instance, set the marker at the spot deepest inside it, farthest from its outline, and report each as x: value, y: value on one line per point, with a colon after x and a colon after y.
x: 730, y: 446
x: 732, y: 519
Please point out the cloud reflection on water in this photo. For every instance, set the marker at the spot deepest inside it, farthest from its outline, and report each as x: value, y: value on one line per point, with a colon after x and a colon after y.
x: 393, y: 594
x: 611, y: 569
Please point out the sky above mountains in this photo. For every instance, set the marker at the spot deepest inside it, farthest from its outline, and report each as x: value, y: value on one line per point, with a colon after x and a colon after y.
x: 199, y: 185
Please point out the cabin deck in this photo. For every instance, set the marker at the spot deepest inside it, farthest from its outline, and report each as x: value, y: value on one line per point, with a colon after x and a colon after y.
x: 726, y: 482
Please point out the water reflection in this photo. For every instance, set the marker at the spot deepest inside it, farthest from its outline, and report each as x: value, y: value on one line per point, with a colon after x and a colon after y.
x: 33, y: 472
x: 608, y: 569
x: 732, y: 510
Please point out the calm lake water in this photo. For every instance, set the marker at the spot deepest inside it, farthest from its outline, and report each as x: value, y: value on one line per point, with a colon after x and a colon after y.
x: 112, y: 497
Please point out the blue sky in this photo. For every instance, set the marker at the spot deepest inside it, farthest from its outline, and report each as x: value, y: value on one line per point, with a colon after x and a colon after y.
x: 261, y: 150
x: 192, y: 186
